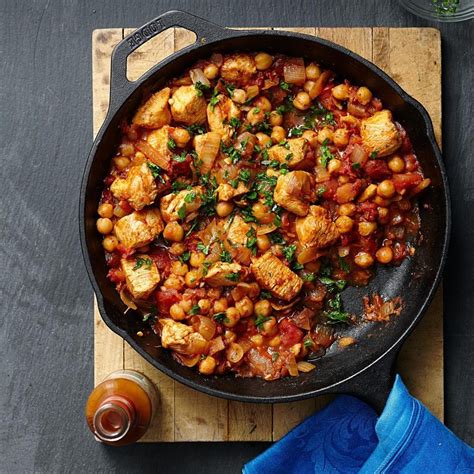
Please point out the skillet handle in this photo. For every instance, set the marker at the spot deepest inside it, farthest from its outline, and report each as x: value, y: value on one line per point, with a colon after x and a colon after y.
x: 205, y: 31
x: 374, y: 384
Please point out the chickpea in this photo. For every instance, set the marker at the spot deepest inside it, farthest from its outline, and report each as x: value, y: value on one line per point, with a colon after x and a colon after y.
x: 312, y: 72
x: 263, y: 104
x: 263, y: 61
x: 257, y: 339
x: 106, y: 210
x: 220, y: 305
x: 262, y: 213
x: 181, y: 136
x: 334, y: 165
x: 224, y: 208
x: 275, y: 341
x: 347, y: 209
x: 177, y: 312
x: 262, y: 308
x: 343, y: 179
x: 252, y: 91
x: 174, y: 232
x: 204, y: 305
x: 211, y: 71
x: 104, y: 225
x: 384, y: 255
x: 341, y: 92
x: 311, y: 136
x: 238, y: 293
x: 196, y: 259
x: 363, y: 95
x: 263, y: 140
x: 386, y: 189
x: 232, y: 317
x: 186, y: 304
x: 270, y: 327
x: 179, y: 268
x: 121, y: 162
x: 110, y: 243
x: 302, y: 101
x: 127, y: 149
x: 368, y: 193
x: 383, y: 214
x: 192, y: 278
x: 244, y: 307
x: 263, y: 243
x: 380, y: 201
x: 173, y: 282
x: 207, y: 365
x: 341, y: 137
x: 309, y: 86
x: 278, y: 134
x: 255, y: 115
x: 275, y: 118
x: 344, y: 224
x: 229, y: 336
x: 177, y: 248
x: 396, y: 164
x: 325, y: 134
x: 363, y: 260
x: 239, y: 96
x: 366, y: 228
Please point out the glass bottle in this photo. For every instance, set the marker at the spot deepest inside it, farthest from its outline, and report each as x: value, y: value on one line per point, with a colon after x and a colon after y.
x: 119, y: 410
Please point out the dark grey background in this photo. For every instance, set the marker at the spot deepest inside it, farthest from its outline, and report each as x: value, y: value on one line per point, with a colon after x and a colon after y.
x: 45, y: 134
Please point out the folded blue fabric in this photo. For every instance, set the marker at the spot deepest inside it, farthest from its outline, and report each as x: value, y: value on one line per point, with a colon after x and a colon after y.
x: 348, y: 437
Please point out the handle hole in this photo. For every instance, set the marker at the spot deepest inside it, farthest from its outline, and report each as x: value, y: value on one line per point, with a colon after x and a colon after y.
x: 156, y: 49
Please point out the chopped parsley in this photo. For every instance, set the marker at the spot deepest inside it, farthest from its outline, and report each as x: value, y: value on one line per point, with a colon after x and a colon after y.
x: 265, y: 294
x: 355, y: 166
x: 326, y: 155
x: 205, y: 268
x: 308, y: 343
x: 373, y: 155
x: 247, y: 215
x: 171, y: 143
x: 230, y: 88
x: 234, y: 154
x: 196, y: 129
x: 232, y: 277
x: 336, y: 314
x: 333, y: 285
x: 321, y: 190
x: 182, y: 211
x: 184, y: 257
x: 276, y: 238
x: 285, y: 86
x: 289, y: 252
x: 220, y: 317
x: 225, y: 256
x: 203, y: 248
x: 155, y: 171
x: 190, y: 197
x: 214, y: 99
x: 200, y: 88
x: 251, y: 240
x: 275, y: 356
x: 309, y: 277
x: 244, y: 175
x: 345, y: 267
x: 179, y: 186
x: 180, y: 158
x: 296, y: 131
x: 195, y: 310
x: 259, y: 320
x: 140, y: 262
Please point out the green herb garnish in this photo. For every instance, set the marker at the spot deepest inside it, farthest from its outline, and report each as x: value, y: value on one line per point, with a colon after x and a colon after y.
x: 259, y: 320
x: 140, y: 262
x: 220, y: 317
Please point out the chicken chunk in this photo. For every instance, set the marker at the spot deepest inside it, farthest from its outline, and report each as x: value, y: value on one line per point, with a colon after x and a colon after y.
x: 181, y: 338
x: 138, y: 187
x: 176, y: 206
x: 219, y: 116
x: 224, y: 274
x: 293, y: 153
x: 141, y: 275
x: 207, y: 147
x: 316, y: 229
x: 155, y: 112
x: 238, y: 68
x: 226, y: 192
x: 295, y: 191
x: 379, y: 133
x: 158, y: 139
x: 273, y: 275
x: 138, y: 228
x: 237, y: 233
x: 187, y: 106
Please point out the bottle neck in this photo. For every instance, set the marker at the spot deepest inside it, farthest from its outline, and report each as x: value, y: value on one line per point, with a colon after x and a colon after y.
x: 113, y: 419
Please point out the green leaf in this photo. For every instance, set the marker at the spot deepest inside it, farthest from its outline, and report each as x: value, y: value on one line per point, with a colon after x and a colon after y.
x: 265, y: 294
x: 220, y: 317
x: 285, y: 86
x: 326, y: 155
x: 308, y: 343
x: 289, y: 252
x: 203, y: 248
x: 196, y: 129
x: 200, y: 88
x: 214, y: 99
x: 251, y: 240
x: 182, y: 211
x: 184, y: 257
x: 171, y: 143
x: 190, y: 197
x: 321, y: 190
x: 275, y: 356
x: 195, y: 310
x: 155, y: 170
x: 355, y: 166
x: 232, y: 277
x: 180, y: 158
x: 373, y: 155
x: 141, y: 261
x: 345, y: 267
x: 259, y: 320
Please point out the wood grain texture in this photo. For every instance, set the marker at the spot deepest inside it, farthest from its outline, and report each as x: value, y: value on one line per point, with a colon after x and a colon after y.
x: 187, y: 415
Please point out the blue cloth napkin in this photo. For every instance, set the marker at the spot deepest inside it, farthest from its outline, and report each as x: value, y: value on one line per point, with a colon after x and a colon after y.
x: 348, y: 437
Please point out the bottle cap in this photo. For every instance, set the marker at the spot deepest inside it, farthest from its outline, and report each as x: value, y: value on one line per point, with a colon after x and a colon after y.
x: 113, y: 419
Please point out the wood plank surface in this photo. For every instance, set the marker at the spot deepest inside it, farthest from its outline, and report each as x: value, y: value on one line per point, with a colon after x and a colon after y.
x: 412, y: 56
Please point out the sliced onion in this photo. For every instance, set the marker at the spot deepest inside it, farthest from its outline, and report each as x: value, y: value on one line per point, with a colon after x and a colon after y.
x: 196, y: 345
x: 359, y: 155
x: 318, y: 86
x: 304, y: 366
x: 197, y: 75
x: 217, y: 345
x: 308, y: 254
x: 266, y: 229
x: 420, y: 187
x: 292, y: 366
x: 294, y: 72
x: 152, y: 154
x: 252, y: 91
x: 268, y: 83
x: 207, y: 327
x: 127, y: 299
x: 234, y: 353
x: 322, y: 174
x: 188, y: 361
x: 208, y: 150
x: 245, y: 344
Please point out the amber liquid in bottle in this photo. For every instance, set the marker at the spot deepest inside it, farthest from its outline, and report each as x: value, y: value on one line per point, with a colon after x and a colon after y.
x: 120, y: 409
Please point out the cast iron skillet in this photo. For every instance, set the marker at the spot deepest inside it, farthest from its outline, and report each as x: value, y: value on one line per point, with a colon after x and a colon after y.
x: 364, y: 369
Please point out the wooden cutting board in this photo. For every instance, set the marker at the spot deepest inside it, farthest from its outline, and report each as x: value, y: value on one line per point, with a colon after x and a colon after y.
x: 412, y: 56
